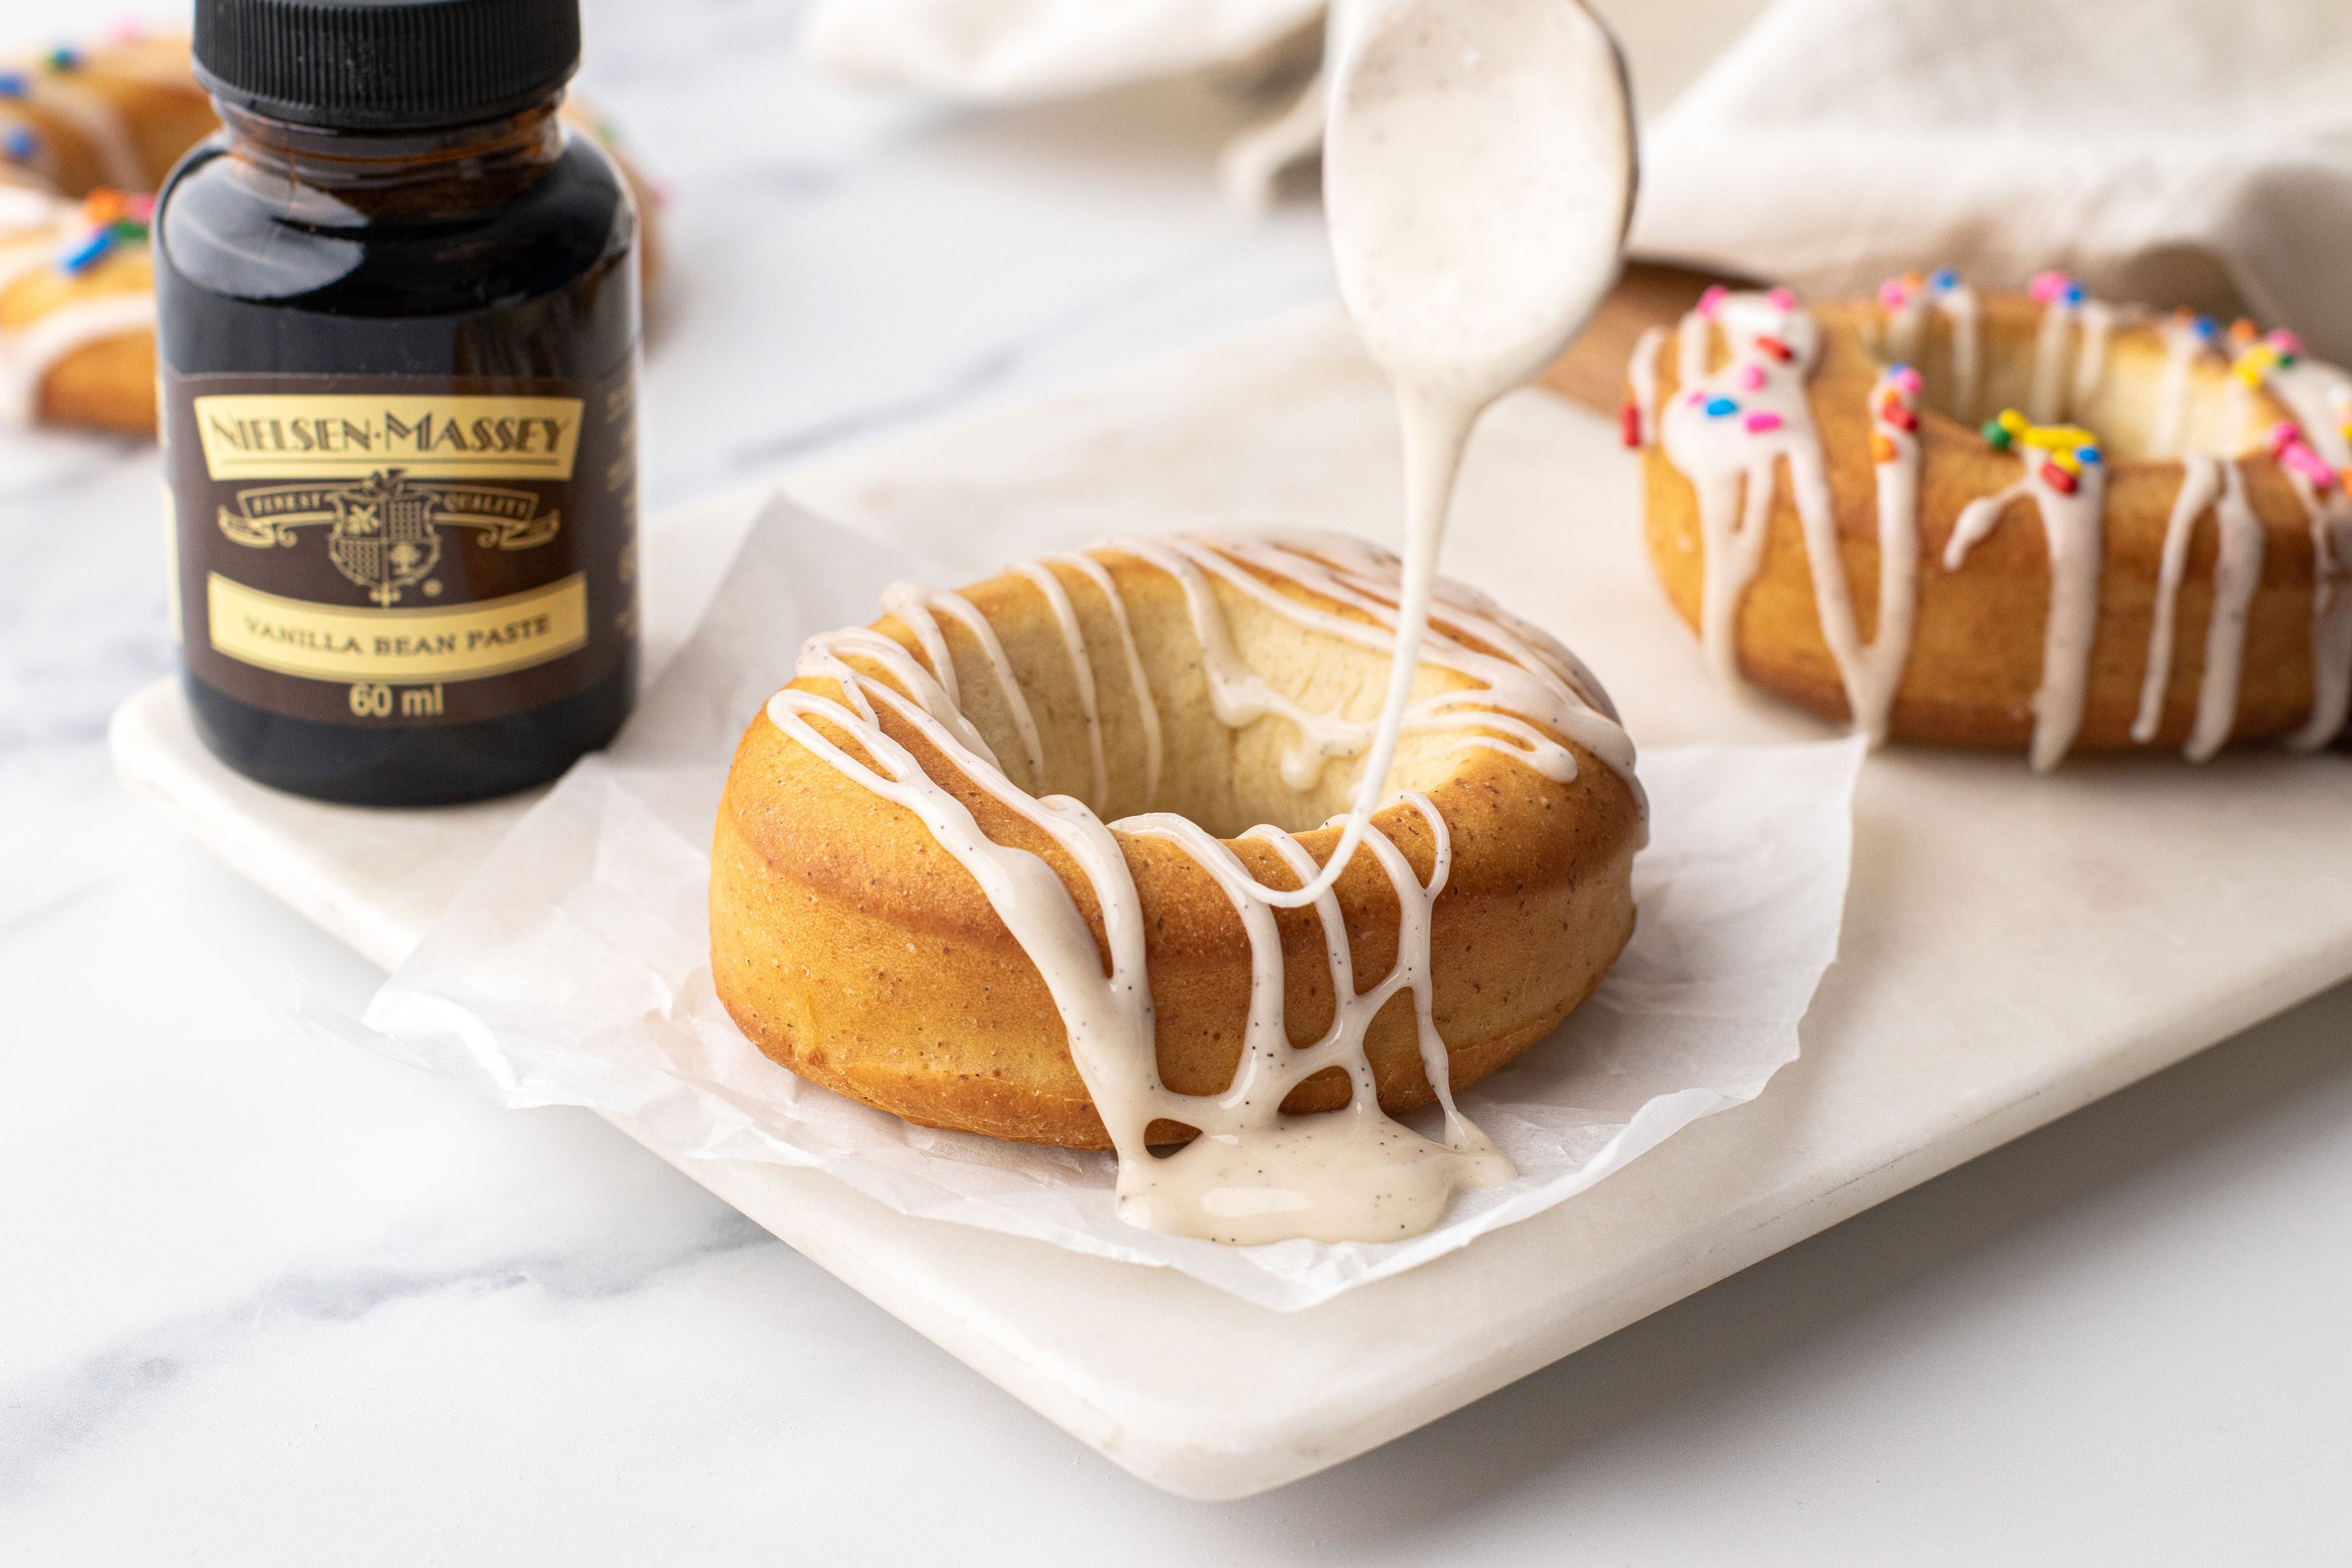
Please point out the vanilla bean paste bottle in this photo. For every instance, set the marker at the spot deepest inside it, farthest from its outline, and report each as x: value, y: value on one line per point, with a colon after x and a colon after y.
x: 397, y: 326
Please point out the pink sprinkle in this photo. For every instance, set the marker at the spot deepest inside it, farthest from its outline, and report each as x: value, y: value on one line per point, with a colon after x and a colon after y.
x: 1906, y: 381
x: 2286, y: 343
x: 2284, y: 434
x: 2307, y: 463
x: 127, y: 30
x: 1712, y: 300
x: 1893, y: 295
x: 1762, y: 420
x: 1781, y: 299
x: 1694, y: 398
x: 1751, y: 377
x: 2048, y: 286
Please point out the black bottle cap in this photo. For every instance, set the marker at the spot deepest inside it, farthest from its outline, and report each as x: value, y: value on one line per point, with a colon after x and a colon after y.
x: 385, y: 65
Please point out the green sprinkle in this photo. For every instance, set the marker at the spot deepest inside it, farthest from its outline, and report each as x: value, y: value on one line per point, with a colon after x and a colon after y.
x: 1996, y: 436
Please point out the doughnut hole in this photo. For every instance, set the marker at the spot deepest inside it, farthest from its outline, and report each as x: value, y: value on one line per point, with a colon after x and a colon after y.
x: 2122, y: 403
x: 1224, y: 779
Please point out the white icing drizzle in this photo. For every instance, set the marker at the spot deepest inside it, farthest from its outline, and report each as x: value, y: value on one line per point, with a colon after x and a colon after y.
x: 2098, y: 322
x: 1897, y: 480
x: 2331, y: 613
x: 1253, y: 1174
x: 29, y: 353
x: 1239, y: 695
x: 2321, y: 398
x: 2201, y: 481
x: 1729, y: 460
x: 1691, y: 340
x: 1641, y: 375
x: 1959, y: 303
x: 2182, y: 344
x: 2046, y: 403
x: 1760, y: 418
x: 1477, y: 181
x: 2206, y: 483
x: 916, y: 605
x: 99, y: 120
x: 1731, y: 468
x: 2073, y: 527
x: 1074, y: 639
x: 1478, y: 176
x: 1146, y: 706
x: 1906, y: 333
x: 34, y: 227
x: 1524, y: 697
x: 1361, y: 1175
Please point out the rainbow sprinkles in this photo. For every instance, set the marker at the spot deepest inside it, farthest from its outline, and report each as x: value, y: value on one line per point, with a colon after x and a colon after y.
x: 1734, y: 425
x: 74, y: 240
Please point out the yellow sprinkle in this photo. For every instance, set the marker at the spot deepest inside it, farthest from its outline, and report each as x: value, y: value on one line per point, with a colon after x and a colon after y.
x: 2064, y: 457
x: 2012, y: 421
x: 2057, y: 437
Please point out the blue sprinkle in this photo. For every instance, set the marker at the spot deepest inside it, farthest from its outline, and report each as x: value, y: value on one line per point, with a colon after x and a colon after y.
x: 63, y: 58
x: 1945, y: 279
x: 2087, y: 454
x: 2205, y: 326
x: 2073, y: 293
x: 20, y: 143
x: 83, y: 257
x: 1716, y: 408
x: 13, y: 85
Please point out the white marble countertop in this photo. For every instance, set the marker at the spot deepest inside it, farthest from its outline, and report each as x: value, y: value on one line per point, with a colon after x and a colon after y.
x: 265, y: 1299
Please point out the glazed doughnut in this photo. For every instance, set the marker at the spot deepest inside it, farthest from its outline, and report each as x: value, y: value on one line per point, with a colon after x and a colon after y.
x: 2027, y: 522
x: 85, y: 134
x: 873, y: 937
x: 76, y: 310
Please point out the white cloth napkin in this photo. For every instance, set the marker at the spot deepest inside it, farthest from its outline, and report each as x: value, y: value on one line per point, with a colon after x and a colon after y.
x: 2178, y: 152
x: 1014, y: 51
x: 1003, y: 51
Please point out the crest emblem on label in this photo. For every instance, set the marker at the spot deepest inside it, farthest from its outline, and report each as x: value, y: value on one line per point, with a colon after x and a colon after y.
x: 382, y: 537
x: 384, y: 532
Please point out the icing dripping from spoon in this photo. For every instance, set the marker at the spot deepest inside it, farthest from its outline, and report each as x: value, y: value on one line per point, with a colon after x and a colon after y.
x: 1478, y: 173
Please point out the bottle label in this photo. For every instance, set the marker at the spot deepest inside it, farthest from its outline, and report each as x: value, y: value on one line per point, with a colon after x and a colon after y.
x: 402, y: 551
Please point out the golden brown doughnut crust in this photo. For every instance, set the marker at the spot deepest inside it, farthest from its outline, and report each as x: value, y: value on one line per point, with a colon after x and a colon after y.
x: 855, y: 951
x: 1977, y: 648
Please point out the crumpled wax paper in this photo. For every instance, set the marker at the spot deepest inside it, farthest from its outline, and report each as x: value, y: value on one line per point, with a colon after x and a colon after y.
x: 575, y: 969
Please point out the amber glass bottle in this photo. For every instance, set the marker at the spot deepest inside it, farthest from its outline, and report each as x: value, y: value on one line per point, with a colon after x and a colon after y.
x: 397, y: 322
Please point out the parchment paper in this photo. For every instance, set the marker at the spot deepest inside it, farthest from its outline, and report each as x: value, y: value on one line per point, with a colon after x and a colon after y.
x: 575, y: 969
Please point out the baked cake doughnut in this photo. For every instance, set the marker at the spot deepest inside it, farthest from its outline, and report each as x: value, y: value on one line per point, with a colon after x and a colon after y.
x: 910, y: 905
x: 2033, y: 522
x: 85, y: 134
x: 76, y: 310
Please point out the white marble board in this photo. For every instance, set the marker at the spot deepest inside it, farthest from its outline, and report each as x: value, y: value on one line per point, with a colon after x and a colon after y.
x: 2014, y: 947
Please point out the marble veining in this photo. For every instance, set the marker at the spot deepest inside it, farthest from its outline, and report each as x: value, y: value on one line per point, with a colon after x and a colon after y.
x: 841, y: 265
x: 47, y: 1420
x: 267, y: 1300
